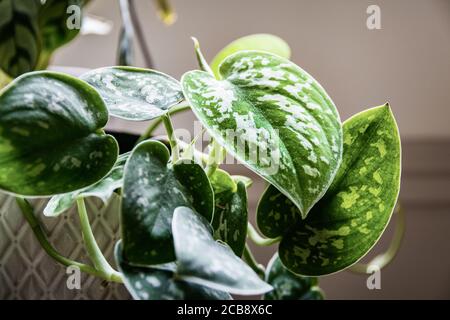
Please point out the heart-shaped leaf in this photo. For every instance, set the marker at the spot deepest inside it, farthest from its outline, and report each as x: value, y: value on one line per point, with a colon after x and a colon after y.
x: 230, y: 218
x: 147, y: 283
x: 153, y: 188
x: 262, y: 42
x: 103, y: 190
x: 20, y: 41
x: 222, y: 181
x: 134, y: 93
x: 289, y: 286
x: 354, y: 212
x: 275, y: 118
x: 51, y: 137
x: 204, y: 261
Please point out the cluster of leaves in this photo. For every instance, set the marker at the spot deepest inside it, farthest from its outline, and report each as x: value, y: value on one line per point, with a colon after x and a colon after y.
x: 184, y: 225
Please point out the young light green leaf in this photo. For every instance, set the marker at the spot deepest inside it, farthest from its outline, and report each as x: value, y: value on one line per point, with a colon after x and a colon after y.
x: 354, y: 212
x: 261, y: 42
x: 289, y: 286
x: 153, y: 188
x: 20, y: 40
x: 273, y: 117
x: 206, y: 262
x: 230, y: 218
x: 148, y: 283
x: 221, y: 181
x: 103, y: 190
x: 134, y: 93
x: 51, y: 137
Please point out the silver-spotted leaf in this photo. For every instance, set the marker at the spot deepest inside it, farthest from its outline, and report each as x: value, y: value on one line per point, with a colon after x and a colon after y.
x: 354, y: 212
x: 261, y: 41
x: 20, y: 40
x: 230, y: 217
x: 204, y: 261
x: 134, y: 93
x: 289, y: 286
x: 103, y: 190
x: 152, y: 189
x: 148, y: 283
x: 273, y: 117
x: 51, y: 137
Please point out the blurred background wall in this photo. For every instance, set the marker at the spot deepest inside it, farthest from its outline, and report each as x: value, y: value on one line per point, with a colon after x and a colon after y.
x: 407, y: 63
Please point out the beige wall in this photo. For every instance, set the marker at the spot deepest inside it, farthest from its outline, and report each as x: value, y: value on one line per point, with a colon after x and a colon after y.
x: 406, y: 63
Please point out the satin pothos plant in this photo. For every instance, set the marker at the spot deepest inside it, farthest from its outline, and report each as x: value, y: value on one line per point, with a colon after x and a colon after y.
x: 332, y: 186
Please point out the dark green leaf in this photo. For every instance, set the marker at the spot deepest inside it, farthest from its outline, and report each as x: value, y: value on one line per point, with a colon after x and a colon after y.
x: 273, y: 117
x: 262, y: 42
x: 153, y: 188
x: 354, y: 212
x: 230, y: 218
x: 289, y: 286
x: 146, y: 283
x: 103, y: 190
x: 20, y: 41
x: 53, y: 18
x: 51, y: 137
x: 134, y: 93
x: 204, y: 261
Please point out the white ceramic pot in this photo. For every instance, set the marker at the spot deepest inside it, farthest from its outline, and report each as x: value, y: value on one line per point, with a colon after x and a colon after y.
x: 27, y: 272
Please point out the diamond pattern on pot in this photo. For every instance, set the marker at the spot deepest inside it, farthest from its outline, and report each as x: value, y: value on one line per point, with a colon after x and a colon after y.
x: 27, y: 272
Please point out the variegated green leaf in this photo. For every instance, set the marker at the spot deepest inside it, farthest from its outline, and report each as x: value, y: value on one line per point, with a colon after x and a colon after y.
x: 153, y: 188
x: 354, y: 212
x: 148, y: 283
x: 20, y: 40
x: 262, y: 42
x: 222, y: 181
x: 134, y: 93
x: 273, y: 117
x: 103, y: 190
x: 53, y: 19
x: 230, y: 218
x: 289, y: 286
x: 204, y: 261
x: 51, y: 136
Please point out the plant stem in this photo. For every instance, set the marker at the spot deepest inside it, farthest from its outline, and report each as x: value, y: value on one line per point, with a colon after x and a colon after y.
x: 214, y: 158
x: 172, y: 139
x: 36, y: 227
x: 94, y: 252
x: 382, y: 260
x: 252, y: 263
x: 257, y: 239
x: 198, y: 155
x: 140, y: 35
x: 155, y: 124
x: 204, y: 66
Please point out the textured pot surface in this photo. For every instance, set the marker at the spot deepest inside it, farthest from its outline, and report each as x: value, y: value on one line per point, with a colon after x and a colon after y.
x: 27, y: 272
